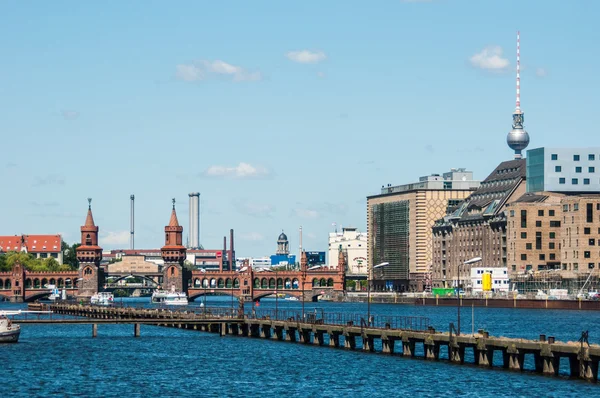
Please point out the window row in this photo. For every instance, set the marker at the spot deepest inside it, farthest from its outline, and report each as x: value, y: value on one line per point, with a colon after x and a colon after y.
x: 576, y: 158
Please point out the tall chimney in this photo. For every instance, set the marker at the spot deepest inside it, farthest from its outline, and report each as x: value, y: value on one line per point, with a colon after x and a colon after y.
x: 132, y: 222
x: 194, y: 224
x: 224, y: 252
x: 300, y: 254
x: 231, y: 251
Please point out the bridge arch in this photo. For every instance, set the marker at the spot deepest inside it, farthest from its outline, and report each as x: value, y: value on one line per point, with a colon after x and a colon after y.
x: 330, y: 282
x: 36, y: 283
x: 7, y: 284
x: 28, y: 283
x: 1, y: 284
x: 144, y: 277
x: 295, y: 283
x: 220, y: 283
x: 213, y: 282
x: 287, y: 283
x: 228, y: 284
x: 236, y: 283
x: 60, y: 283
x: 264, y: 283
x: 323, y: 282
x: 271, y: 283
x: 197, y: 282
x: 315, y: 282
x: 279, y: 283
x: 44, y: 282
x: 256, y: 283
x: 52, y: 281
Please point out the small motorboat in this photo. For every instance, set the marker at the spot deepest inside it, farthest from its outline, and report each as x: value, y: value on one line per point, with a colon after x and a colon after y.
x: 9, y: 332
x: 292, y: 298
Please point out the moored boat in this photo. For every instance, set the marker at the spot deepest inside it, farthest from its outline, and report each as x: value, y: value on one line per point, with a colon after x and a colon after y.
x: 102, y: 298
x: 169, y: 297
x: 9, y: 332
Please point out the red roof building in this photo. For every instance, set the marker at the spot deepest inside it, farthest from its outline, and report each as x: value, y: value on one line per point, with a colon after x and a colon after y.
x: 41, y: 246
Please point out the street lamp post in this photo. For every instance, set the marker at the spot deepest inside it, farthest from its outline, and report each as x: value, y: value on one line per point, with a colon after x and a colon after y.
x: 471, y: 261
x: 276, y: 297
x: 369, y: 280
x: 204, y: 287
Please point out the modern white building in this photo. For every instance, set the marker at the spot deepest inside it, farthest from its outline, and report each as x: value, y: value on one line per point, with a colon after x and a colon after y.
x: 563, y: 170
x: 354, y: 245
x: 499, y: 279
x: 254, y: 262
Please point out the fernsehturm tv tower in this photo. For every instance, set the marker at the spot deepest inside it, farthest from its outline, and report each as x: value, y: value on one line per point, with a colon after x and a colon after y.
x: 518, y: 139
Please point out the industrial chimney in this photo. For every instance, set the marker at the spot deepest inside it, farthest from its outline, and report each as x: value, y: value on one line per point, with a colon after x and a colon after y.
x: 194, y: 233
x: 131, y: 231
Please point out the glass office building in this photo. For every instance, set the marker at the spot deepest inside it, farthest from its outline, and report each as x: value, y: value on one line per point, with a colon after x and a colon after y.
x: 563, y: 170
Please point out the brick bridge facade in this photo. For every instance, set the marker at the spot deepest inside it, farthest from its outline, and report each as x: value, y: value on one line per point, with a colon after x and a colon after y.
x: 248, y: 284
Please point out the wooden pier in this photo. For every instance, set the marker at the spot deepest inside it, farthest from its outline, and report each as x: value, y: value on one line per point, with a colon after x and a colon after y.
x: 479, y: 349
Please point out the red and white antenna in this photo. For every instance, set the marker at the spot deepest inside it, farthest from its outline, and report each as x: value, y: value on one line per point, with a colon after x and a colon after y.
x: 518, y: 71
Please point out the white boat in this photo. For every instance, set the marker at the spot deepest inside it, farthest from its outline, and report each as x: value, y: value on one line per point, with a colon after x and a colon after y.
x: 55, y: 293
x: 102, y: 298
x: 292, y: 298
x: 169, y: 297
x: 9, y: 332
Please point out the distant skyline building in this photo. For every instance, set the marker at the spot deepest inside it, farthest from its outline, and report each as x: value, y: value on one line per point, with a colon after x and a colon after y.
x: 567, y: 170
x: 283, y: 245
x: 399, y: 222
x: 354, y: 247
x: 194, y: 223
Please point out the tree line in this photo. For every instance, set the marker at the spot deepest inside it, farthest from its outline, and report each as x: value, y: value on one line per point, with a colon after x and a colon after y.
x: 31, y: 263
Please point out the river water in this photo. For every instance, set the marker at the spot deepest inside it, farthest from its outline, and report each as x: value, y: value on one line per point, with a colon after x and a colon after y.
x: 63, y: 360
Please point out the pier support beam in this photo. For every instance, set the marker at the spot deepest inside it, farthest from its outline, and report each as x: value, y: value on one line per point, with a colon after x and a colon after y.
x: 136, y: 330
x: 290, y: 335
x: 318, y: 337
x: 408, y: 347
x: 550, y: 365
x: 387, y: 346
x: 223, y: 329
x: 367, y: 342
x: 278, y: 333
x: 265, y: 331
x: 304, y: 335
x: 432, y: 350
x: 350, y: 342
x: 334, y: 340
x: 456, y: 352
x: 95, y: 330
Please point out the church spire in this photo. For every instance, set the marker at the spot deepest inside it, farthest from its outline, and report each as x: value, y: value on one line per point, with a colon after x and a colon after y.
x: 89, y: 221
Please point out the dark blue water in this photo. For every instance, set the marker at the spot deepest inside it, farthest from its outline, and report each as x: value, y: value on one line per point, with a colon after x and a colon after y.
x: 63, y: 360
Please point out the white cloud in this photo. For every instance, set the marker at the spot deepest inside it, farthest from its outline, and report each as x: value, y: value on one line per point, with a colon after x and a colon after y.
x: 490, y: 58
x: 541, y: 72
x: 241, y: 171
x: 306, y: 56
x: 204, y: 69
x: 118, y: 238
x: 69, y: 114
x: 305, y: 213
x: 252, y: 236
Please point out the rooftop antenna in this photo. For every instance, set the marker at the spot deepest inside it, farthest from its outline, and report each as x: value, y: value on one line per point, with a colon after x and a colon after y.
x: 518, y: 71
x: 89, y: 203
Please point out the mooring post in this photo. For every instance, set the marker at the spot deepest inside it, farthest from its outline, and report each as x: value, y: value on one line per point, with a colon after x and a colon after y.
x: 136, y: 330
x: 94, y: 330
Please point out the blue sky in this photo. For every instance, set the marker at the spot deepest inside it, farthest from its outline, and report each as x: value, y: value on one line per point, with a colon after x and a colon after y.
x: 280, y: 113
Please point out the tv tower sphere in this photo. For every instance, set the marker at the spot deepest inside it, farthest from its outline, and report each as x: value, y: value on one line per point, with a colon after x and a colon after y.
x: 517, y: 138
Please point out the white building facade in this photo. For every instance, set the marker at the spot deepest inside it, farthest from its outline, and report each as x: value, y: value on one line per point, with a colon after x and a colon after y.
x: 499, y: 279
x: 354, y: 245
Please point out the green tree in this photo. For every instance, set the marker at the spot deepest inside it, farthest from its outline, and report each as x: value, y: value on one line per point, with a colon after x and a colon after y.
x: 70, y: 255
x: 3, y: 266
x: 188, y: 265
x: 12, y: 258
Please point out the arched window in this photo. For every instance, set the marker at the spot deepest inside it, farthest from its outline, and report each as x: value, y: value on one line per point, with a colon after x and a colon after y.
x: 330, y: 282
x: 315, y: 282
x: 172, y: 270
x: 88, y: 240
x: 166, y: 238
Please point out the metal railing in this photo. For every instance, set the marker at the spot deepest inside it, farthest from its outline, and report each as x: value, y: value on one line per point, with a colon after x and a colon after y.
x: 319, y: 316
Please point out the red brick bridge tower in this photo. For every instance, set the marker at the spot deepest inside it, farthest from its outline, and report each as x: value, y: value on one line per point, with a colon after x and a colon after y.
x: 89, y: 255
x: 173, y: 253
